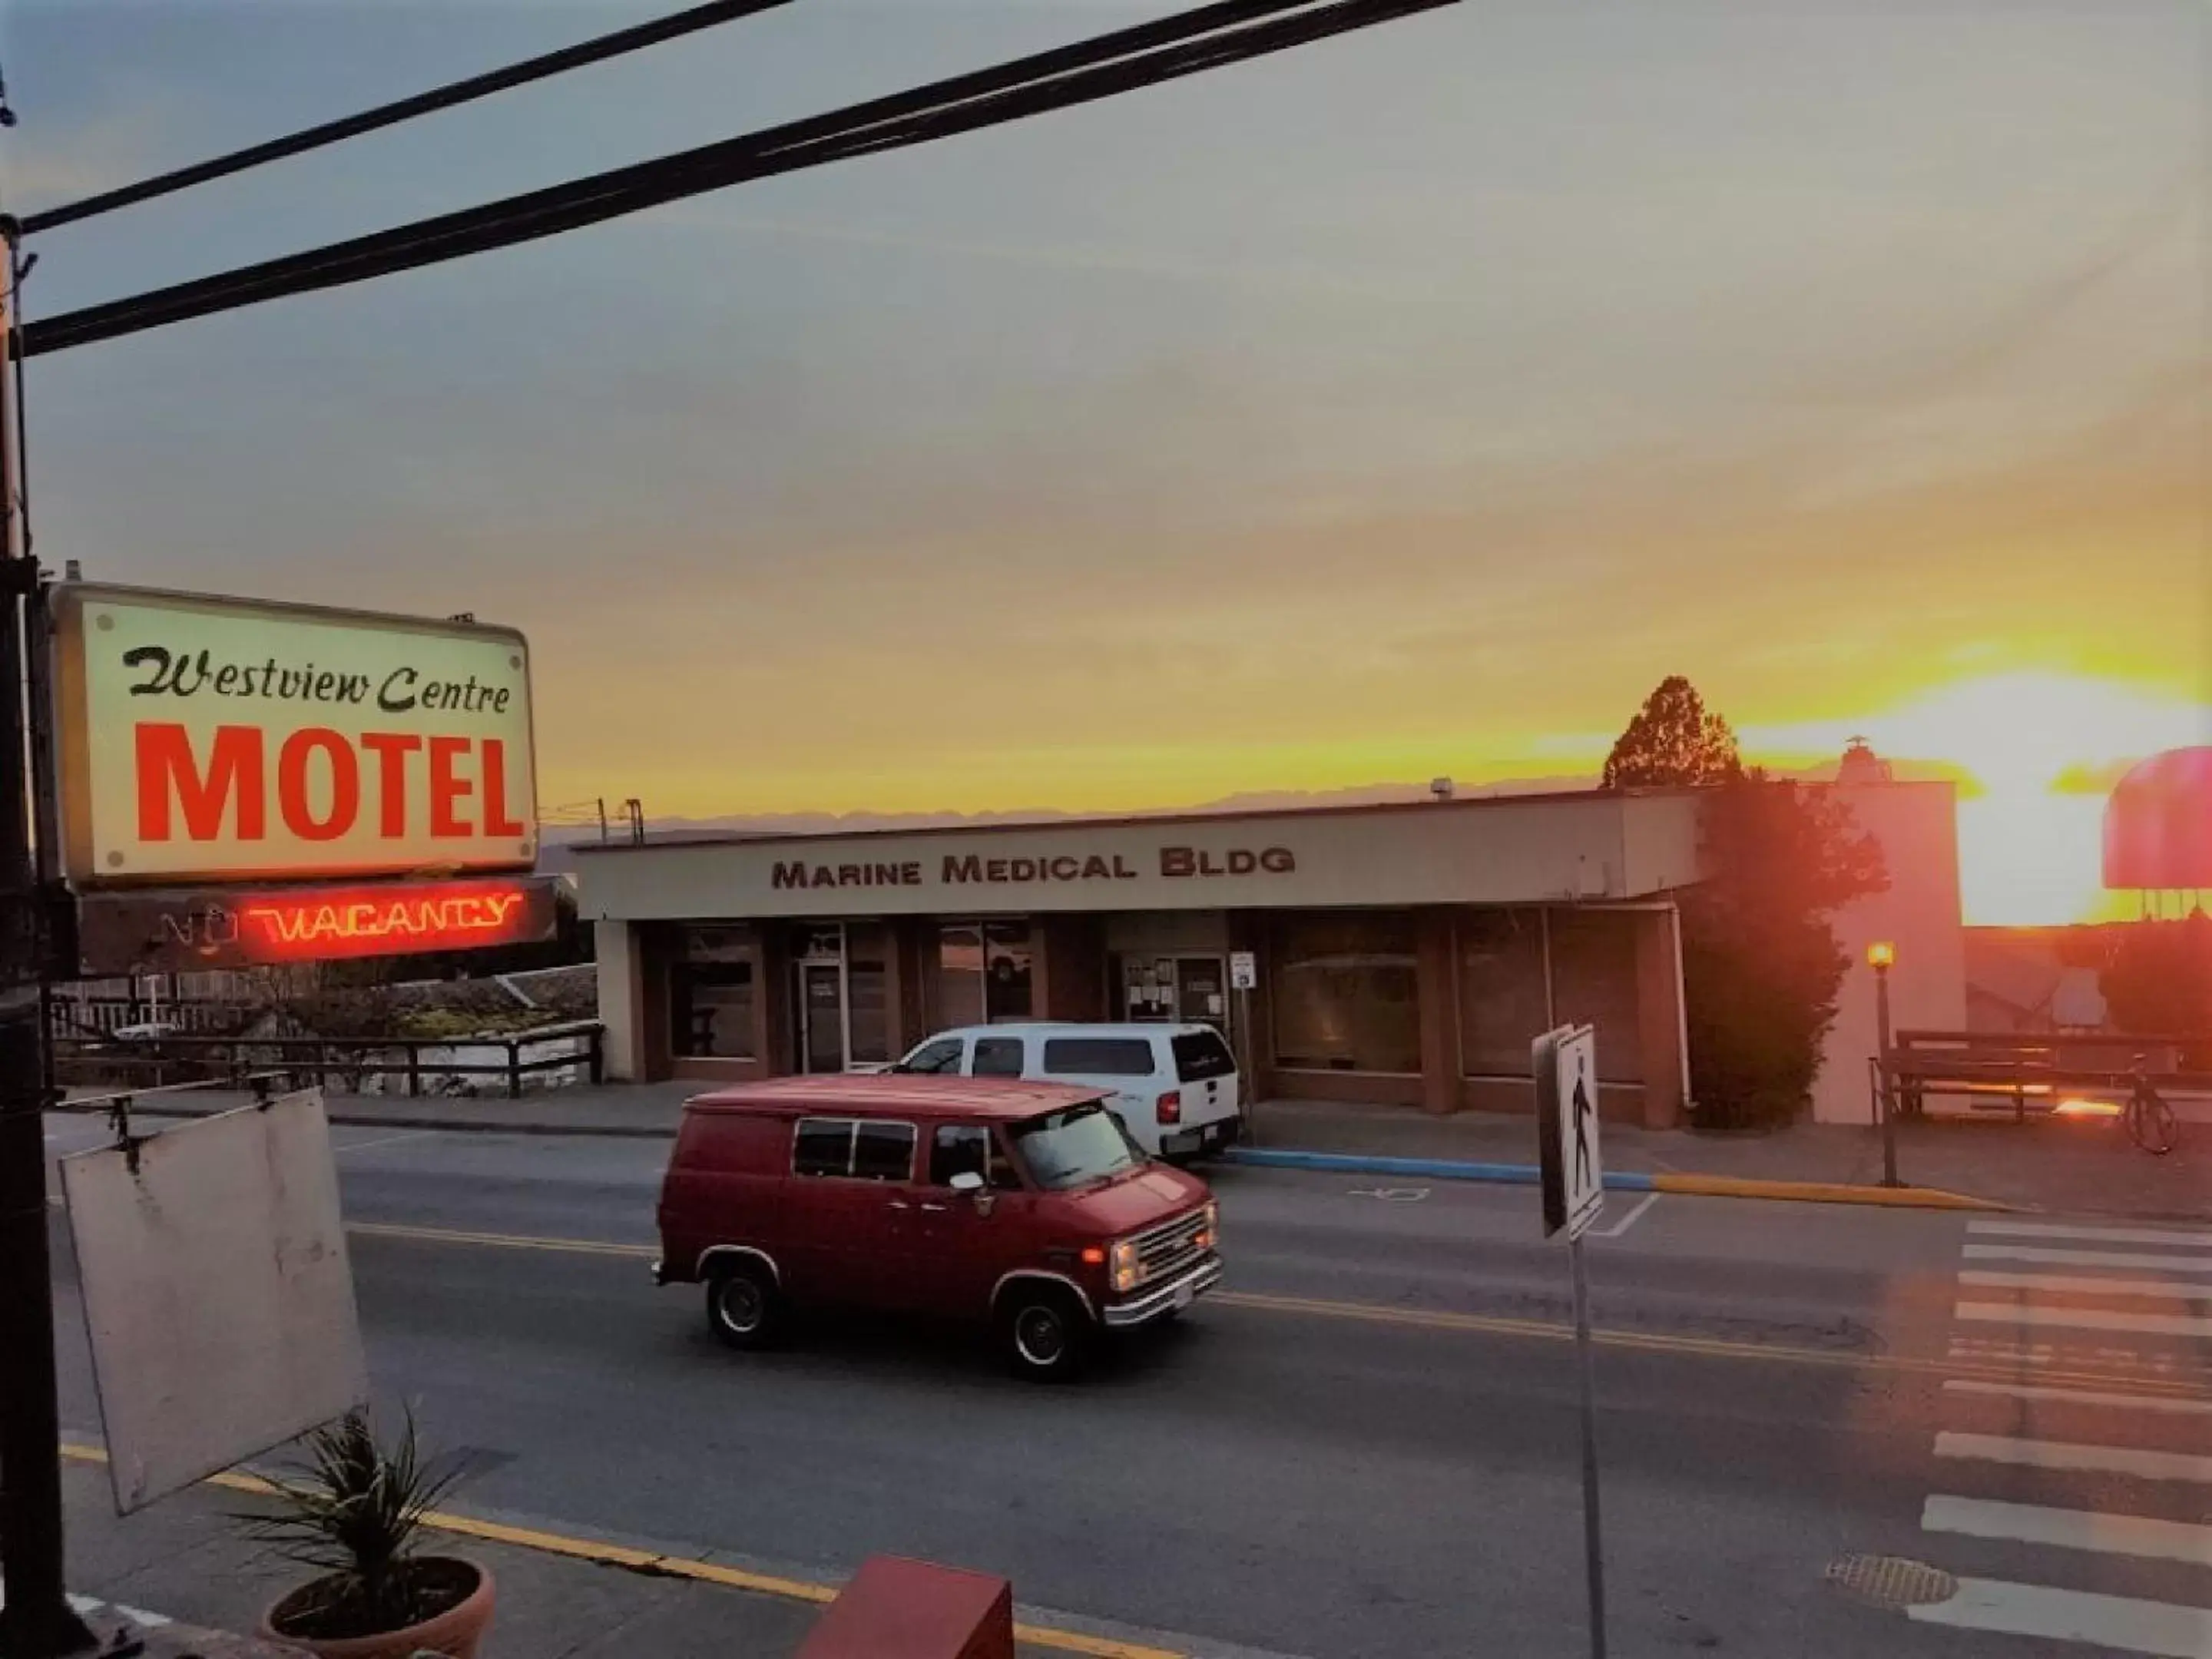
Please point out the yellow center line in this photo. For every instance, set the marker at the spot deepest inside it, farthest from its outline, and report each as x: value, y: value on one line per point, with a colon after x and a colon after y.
x: 1420, y: 1319
x: 603, y: 1554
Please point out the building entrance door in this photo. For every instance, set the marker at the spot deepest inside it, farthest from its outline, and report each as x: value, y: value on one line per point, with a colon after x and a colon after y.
x: 1190, y: 988
x: 821, y: 1017
x: 1202, y: 991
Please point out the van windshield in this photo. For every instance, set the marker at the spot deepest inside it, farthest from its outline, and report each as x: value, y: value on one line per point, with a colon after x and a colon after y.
x: 1074, y: 1147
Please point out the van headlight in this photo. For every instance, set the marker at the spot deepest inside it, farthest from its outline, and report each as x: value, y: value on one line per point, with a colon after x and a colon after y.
x: 1121, y: 1263
x: 1209, y: 1231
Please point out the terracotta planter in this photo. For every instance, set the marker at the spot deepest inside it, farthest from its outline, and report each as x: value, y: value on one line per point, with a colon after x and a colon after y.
x: 454, y: 1633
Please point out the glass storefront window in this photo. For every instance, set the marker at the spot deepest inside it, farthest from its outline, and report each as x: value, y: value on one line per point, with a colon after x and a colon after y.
x: 1594, y: 981
x: 959, y: 974
x: 983, y: 973
x: 1501, y: 990
x: 867, y: 990
x: 1005, y: 970
x: 710, y: 992
x: 1345, y: 995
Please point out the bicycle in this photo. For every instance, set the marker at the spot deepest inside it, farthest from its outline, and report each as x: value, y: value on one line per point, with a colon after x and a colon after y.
x: 2151, y: 1123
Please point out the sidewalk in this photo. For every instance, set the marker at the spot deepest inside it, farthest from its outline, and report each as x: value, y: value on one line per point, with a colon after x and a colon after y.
x: 2084, y: 1166
x: 184, y: 1558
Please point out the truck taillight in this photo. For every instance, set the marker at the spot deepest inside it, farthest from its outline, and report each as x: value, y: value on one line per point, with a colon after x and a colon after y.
x: 1170, y: 1107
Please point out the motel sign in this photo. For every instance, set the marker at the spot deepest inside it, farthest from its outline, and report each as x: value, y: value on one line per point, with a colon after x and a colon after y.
x: 207, y: 740
x: 221, y: 762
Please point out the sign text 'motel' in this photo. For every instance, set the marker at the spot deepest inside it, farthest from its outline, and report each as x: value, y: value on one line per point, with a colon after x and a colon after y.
x: 209, y: 740
x: 975, y: 869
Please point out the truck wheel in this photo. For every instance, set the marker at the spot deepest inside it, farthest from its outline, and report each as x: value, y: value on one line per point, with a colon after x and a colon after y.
x: 1047, y: 1337
x: 743, y: 1307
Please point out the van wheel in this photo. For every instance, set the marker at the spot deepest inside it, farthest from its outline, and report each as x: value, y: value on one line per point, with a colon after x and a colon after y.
x: 742, y: 1306
x: 1047, y: 1337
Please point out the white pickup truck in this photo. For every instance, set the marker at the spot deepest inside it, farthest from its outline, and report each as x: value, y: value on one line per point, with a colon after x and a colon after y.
x: 1173, y: 1087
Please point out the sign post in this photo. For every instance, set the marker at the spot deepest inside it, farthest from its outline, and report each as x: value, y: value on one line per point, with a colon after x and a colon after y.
x: 1573, y: 1181
x: 1243, y: 975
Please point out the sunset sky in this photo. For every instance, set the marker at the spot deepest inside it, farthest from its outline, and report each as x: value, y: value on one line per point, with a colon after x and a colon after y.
x: 1409, y: 405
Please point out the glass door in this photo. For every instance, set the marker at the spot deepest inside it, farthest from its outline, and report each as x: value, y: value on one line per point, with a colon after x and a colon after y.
x: 821, y: 1017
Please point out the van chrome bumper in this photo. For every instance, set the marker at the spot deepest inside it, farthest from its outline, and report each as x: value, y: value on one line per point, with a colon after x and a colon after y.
x: 1177, y: 1292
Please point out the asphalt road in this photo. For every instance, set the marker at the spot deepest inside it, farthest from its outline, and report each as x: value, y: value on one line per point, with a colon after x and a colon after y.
x: 1367, y: 1444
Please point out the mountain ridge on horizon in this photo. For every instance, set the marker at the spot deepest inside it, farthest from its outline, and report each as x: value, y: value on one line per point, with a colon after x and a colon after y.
x: 1254, y: 800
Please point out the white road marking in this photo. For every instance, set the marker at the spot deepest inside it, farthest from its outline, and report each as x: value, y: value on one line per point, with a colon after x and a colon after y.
x: 1626, y: 1221
x: 2073, y: 1529
x: 2068, y: 1454
x: 386, y: 1140
x: 1390, y: 1194
x: 2116, y: 1622
x: 2129, y: 1402
x: 2166, y: 1264
x: 2109, y: 1234
x: 2088, y: 1284
x: 2087, y: 1319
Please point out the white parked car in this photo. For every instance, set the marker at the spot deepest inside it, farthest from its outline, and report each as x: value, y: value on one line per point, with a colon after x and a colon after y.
x: 1173, y: 1087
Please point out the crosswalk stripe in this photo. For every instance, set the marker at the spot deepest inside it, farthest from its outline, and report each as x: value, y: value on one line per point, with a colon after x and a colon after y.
x: 2110, y: 1235
x: 2063, y: 1258
x: 2130, y: 1402
x: 2073, y: 1529
x: 2087, y: 1319
x: 2088, y: 1284
x: 2118, y: 1622
x: 2068, y: 1454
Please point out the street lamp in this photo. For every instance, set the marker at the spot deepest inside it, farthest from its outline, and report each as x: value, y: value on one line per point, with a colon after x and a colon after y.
x: 1881, y: 956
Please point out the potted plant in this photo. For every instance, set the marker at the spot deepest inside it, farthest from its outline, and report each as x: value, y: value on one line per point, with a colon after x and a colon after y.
x: 353, y: 1514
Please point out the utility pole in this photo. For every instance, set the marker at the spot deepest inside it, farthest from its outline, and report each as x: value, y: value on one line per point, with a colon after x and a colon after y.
x: 36, y: 1621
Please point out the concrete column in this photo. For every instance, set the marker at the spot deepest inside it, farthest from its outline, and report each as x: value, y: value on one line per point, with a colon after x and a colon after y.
x: 621, y: 998
x: 1255, y: 1046
x: 1069, y: 963
x: 772, y: 1039
x: 1659, y: 1018
x: 1439, y: 1013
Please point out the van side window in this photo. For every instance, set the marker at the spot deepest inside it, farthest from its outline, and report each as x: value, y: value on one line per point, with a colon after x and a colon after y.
x: 883, y: 1151
x: 822, y: 1146
x: 997, y: 1057
x: 969, y: 1148
x: 1098, y: 1056
x: 941, y: 1057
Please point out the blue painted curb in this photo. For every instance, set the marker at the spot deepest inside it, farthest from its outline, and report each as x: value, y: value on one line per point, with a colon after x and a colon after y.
x: 1437, y: 1169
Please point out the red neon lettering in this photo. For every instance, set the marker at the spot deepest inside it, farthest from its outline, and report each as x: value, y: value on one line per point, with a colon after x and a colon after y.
x: 496, y: 820
x: 392, y: 750
x: 292, y: 784
x: 447, y: 788
x: 309, y: 923
x: 166, y: 767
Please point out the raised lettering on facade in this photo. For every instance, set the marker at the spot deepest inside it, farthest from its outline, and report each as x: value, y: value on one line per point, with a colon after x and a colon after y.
x: 977, y: 870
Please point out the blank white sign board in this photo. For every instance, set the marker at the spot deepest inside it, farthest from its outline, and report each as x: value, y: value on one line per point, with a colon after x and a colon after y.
x: 216, y: 1292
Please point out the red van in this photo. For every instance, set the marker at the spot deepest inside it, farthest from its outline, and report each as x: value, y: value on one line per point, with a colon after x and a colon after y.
x: 1024, y: 1204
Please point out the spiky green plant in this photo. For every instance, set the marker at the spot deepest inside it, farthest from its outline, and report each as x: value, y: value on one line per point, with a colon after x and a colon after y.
x: 351, y: 1511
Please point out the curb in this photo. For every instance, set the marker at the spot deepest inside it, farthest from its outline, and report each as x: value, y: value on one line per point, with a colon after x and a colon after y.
x: 1439, y: 1168
x: 1625, y: 1181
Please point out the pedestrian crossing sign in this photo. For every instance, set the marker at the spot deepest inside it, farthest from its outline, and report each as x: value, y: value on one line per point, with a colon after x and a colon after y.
x: 1573, y: 1178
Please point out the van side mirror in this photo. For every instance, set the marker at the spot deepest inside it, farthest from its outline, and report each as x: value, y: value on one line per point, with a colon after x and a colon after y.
x: 967, y: 1181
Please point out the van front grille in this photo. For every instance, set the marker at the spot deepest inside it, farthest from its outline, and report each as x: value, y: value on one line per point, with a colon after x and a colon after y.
x: 1172, y: 1244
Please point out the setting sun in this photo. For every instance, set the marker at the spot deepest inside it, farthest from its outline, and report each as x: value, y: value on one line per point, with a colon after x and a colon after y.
x: 2034, y: 754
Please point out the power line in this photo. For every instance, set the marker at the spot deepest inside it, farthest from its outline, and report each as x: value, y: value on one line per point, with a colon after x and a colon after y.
x: 635, y: 38
x: 1104, y: 66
